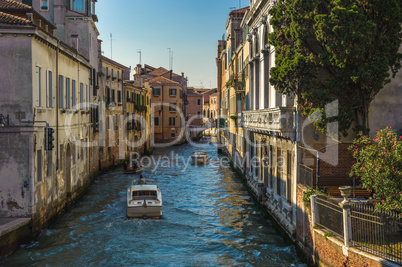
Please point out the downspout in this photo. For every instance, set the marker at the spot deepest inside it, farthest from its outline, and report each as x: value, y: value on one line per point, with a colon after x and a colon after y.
x: 318, y: 170
x: 57, y: 104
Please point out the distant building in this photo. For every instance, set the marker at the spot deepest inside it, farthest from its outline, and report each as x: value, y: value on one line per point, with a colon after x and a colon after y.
x: 168, y: 98
x: 206, y: 109
x: 194, y: 107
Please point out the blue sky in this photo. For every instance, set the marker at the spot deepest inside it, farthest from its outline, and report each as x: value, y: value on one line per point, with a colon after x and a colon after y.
x: 190, y: 28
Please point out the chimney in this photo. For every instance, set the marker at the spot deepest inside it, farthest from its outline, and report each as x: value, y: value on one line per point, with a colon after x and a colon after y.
x: 30, y: 16
x: 182, y: 74
x: 138, y: 69
x: 74, y: 41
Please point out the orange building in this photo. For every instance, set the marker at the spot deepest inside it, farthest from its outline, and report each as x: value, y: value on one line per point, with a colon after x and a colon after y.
x: 194, y: 107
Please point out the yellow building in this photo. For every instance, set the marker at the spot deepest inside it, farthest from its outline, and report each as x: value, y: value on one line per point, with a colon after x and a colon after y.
x: 137, y: 118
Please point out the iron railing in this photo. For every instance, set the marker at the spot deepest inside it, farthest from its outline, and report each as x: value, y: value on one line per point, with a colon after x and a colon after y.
x: 330, y: 216
x: 306, y: 176
x: 377, y: 232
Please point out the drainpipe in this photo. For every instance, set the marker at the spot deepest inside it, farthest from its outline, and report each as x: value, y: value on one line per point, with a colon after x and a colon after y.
x: 318, y: 170
x: 57, y: 104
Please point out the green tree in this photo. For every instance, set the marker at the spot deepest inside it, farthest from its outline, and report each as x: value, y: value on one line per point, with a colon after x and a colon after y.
x: 328, y: 50
x: 379, y: 167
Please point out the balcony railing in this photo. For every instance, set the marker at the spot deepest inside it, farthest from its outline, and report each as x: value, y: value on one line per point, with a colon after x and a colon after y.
x: 279, y: 119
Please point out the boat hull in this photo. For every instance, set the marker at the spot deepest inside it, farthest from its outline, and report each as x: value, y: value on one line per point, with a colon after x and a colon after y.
x: 199, y: 160
x: 133, y: 171
x: 144, y: 212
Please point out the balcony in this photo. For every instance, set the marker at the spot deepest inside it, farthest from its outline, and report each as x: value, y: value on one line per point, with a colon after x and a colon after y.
x: 279, y: 119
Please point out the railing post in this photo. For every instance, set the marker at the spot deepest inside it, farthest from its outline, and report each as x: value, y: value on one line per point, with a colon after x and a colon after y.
x: 314, y: 212
x: 347, y: 222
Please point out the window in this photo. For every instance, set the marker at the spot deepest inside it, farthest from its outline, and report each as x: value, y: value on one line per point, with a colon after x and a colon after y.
x: 81, y: 95
x: 199, y: 101
x: 38, y: 87
x: 119, y: 96
x: 172, y: 135
x: 50, y: 90
x: 108, y: 123
x: 289, y: 177
x: 156, y: 121
x: 68, y: 96
x: 172, y: 92
x: 172, y: 107
x: 113, y: 98
x: 44, y: 5
x: 86, y: 94
x: 172, y: 121
x: 199, y: 114
x: 78, y: 5
x: 73, y: 95
x: 156, y: 91
x: 61, y: 91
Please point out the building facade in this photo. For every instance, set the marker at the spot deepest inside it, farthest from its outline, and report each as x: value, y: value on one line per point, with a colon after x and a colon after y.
x: 45, y: 87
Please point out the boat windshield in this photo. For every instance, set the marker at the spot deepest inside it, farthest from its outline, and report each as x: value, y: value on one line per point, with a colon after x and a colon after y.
x: 145, y: 194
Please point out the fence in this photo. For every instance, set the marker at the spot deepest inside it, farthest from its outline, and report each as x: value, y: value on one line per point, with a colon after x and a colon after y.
x: 306, y: 176
x: 360, y: 226
x: 378, y: 233
x: 330, y: 215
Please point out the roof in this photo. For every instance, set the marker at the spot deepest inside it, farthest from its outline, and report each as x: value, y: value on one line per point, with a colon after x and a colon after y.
x: 158, y: 72
x: 113, y: 62
x: 13, y: 5
x: 162, y: 80
x: 193, y: 93
x: 239, y: 11
x: 14, y: 20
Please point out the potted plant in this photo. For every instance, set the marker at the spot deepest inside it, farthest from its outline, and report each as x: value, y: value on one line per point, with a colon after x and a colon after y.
x: 63, y: 110
x: 229, y: 83
x: 83, y: 112
x: 101, y: 74
x: 233, y: 117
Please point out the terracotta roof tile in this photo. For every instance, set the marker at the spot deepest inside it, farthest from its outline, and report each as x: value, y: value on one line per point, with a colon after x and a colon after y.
x: 11, y: 19
x: 162, y: 80
x: 158, y: 72
x: 13, y: 5
x: 239, y: 11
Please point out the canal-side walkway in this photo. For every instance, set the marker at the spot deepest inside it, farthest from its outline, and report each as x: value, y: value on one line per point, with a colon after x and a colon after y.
x: 13, y: 232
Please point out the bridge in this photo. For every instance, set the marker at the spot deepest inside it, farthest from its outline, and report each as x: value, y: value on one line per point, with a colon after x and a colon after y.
x: 196, y: 132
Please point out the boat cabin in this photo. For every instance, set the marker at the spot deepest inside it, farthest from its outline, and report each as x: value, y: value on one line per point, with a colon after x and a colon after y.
x: 145, y: 194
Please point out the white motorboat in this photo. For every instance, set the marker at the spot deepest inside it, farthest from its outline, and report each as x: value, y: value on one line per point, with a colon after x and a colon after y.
x: 144, y: 199
x: 199, y: 157
x: 205, y: 139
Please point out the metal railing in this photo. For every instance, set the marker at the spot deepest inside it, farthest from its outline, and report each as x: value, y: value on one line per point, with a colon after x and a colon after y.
x: 330, y: 216
x: 306, y: 176
x: 377, y: 232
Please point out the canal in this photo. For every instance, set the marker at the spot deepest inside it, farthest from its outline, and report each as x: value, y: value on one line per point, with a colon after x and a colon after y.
x: 208, y: 219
